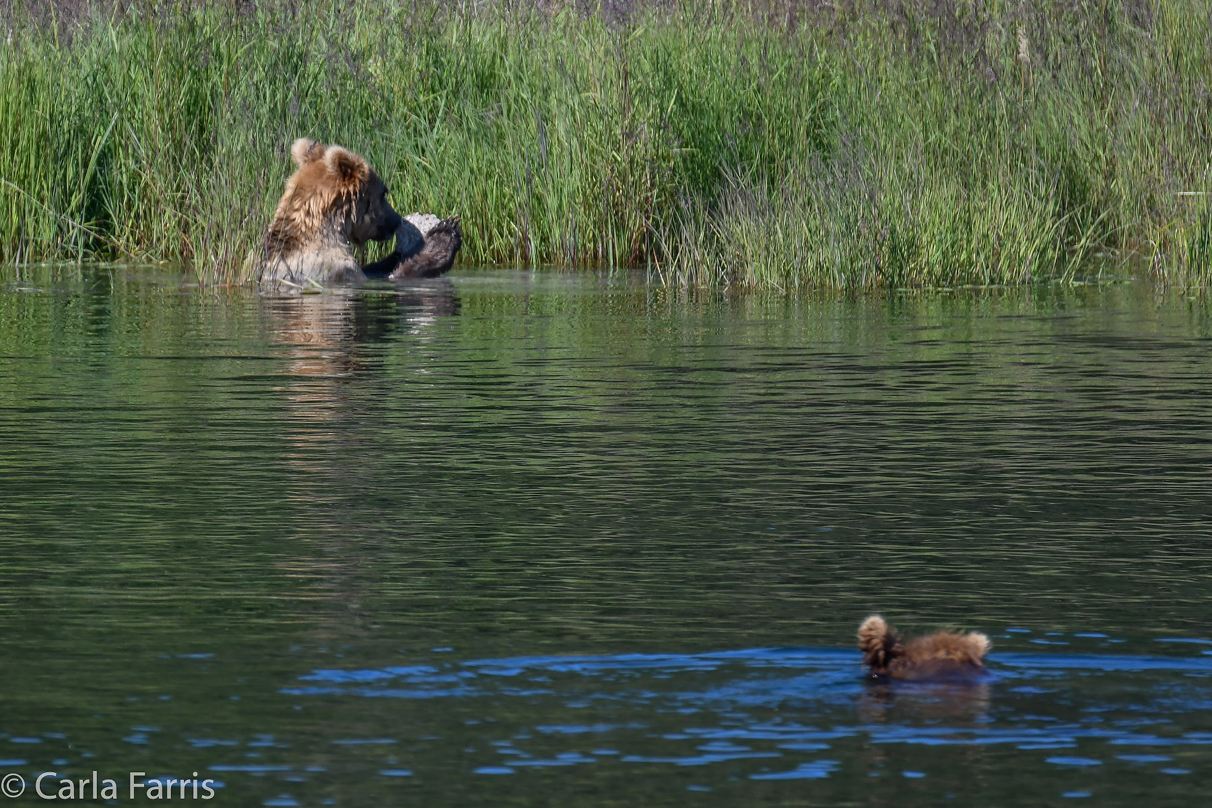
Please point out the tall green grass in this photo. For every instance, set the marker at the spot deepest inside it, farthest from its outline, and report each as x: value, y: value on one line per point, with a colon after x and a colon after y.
x: 768, y: 144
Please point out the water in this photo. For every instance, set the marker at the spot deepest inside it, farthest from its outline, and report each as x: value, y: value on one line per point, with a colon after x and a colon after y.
x: 566, y: 540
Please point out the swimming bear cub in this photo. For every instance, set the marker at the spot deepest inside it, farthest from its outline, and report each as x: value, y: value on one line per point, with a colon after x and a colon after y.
x: 944, y: 655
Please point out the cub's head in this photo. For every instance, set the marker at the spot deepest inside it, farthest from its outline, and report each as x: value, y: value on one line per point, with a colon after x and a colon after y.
x: 334, y: 186
x: 879, y: 643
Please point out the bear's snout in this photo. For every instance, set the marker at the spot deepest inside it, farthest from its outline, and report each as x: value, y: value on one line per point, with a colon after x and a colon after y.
x: 388, y: 227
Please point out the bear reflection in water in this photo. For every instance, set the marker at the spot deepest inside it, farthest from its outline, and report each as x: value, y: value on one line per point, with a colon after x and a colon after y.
x: 325, y: 334
x: 330, y: 354
x: 962, y: 703
x: 344, y: 318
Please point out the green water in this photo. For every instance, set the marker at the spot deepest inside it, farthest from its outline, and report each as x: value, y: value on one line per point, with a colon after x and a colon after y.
x: 412, y: 545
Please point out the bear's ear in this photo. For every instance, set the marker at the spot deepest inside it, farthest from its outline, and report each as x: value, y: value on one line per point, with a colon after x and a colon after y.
x: 349, y: 167
x: 305, y: 150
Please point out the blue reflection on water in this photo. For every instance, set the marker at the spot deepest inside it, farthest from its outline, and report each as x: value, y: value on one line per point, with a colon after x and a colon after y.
x: 1031, y: 702
x: 769, y: 715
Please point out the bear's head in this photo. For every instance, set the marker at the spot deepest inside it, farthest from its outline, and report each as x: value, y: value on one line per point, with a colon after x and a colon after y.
x: 335, y: 187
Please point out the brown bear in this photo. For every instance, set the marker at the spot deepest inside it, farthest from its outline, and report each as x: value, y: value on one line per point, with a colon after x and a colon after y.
x: 335, y: 202
x: 944, y: 655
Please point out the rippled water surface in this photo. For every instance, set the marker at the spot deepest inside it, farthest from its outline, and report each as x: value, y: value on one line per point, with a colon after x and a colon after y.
x: 539, y: 539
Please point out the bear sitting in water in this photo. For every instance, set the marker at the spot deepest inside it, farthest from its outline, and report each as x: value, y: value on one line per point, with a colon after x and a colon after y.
x: 335, y: 202
x: 944, y: 655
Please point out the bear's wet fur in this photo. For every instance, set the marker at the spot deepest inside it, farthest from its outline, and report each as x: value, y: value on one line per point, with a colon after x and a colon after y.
x: 333, y: 203
x: 436, y: 254
x: 944, y: 655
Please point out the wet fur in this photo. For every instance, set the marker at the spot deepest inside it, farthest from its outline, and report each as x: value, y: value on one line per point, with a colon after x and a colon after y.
x: 944, y: 655
x: 436, y: 255
x: 333, y: 204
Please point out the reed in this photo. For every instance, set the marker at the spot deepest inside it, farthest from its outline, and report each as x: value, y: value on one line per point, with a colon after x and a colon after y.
x: 777, y: 144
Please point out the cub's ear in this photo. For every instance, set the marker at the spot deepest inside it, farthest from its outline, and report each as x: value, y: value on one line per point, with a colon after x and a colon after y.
x: 305, y: 150
x: 350, y: 168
